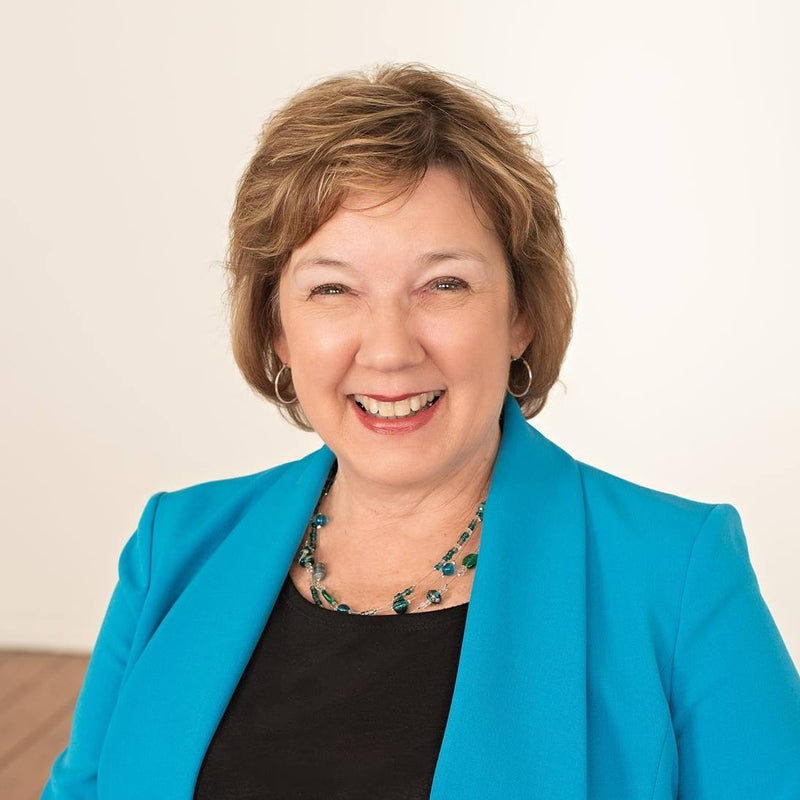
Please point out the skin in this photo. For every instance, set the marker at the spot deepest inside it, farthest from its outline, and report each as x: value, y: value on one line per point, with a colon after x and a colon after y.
x: 388, y: 325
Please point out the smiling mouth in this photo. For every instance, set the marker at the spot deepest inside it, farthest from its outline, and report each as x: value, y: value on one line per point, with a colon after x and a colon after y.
x: 401, y: 409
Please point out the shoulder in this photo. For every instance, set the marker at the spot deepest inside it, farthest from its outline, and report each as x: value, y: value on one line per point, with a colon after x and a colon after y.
x: 230, y: 493
x: 641, y: 545
x: 613, y: 494
x: 189, y: 522
x: 641, y: 542
x: 639, y: 520
x: 617, y: 505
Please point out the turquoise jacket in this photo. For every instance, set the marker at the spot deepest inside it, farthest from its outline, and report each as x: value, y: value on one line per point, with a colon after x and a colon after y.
x: 616, y: 647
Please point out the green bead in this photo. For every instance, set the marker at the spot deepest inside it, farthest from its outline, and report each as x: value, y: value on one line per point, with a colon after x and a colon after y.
x: 400, y: 605
x: 470, y: 560
x: 328, y: 597
x: 315, y: 595
x: 434, y: 595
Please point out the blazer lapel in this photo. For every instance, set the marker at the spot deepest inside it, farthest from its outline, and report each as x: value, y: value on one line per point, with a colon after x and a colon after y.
x: 517, y: 721
x: 178, y: 690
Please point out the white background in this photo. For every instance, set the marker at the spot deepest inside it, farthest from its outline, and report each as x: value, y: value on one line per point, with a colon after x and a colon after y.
x: 672, y: 131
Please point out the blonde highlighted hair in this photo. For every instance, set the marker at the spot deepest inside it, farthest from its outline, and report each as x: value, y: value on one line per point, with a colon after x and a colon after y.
x: 382, y: 127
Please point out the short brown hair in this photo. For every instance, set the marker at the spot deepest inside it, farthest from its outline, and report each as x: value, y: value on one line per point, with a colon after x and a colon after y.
x: 380, y: 127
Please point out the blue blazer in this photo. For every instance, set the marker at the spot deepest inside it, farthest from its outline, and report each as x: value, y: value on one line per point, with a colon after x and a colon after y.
x: 616, y: 646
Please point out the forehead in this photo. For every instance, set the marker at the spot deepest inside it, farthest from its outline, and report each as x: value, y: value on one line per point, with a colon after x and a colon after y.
x: 439, y: 183
x: 439, y: 211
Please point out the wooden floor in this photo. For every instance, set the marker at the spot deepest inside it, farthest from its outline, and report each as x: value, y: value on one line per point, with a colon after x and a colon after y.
x: 37, y: 697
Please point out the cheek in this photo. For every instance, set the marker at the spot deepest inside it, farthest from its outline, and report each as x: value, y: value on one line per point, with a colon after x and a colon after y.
x: 323, y: 356
x: 313, y: 333
x: 471, y: 342
x: 330, y: 346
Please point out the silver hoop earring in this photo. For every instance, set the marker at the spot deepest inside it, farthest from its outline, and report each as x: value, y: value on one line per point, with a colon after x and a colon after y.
x: 277, y: 391
x: 530, y: 377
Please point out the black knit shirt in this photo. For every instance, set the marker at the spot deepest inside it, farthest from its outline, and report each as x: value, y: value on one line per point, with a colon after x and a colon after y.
x: 337, y: 706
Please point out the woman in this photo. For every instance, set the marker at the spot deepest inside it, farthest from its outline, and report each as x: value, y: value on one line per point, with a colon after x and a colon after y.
x: 400, y: 286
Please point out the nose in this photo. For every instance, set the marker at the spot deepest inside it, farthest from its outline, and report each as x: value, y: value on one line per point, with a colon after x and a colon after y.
x: 389, y: 340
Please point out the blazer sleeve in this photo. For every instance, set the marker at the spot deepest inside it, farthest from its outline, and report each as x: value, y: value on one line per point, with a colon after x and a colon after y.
x: 73, y: 776
x: 735, y: 698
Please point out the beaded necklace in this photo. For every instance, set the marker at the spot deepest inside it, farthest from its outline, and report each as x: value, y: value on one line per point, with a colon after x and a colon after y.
x: 317, y: 570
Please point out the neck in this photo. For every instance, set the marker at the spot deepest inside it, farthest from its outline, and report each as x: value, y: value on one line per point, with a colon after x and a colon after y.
x: 408, y: 515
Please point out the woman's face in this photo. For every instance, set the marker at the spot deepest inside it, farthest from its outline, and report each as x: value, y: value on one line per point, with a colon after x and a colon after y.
x: 406, y: 298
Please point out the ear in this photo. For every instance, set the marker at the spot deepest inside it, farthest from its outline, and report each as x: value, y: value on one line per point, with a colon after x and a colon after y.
x: 521, y: 333
x: 281, y: 347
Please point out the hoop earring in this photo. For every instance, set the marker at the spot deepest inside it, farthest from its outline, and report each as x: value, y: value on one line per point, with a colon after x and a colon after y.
x: 530, y: 377
x: 277, y: 391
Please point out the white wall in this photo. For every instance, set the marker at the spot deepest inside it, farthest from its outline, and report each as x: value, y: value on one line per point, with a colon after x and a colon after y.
x: 671, y: 129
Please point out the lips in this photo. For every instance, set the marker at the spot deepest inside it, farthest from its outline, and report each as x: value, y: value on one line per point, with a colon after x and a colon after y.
x: 407, y: 422
x: 386, y: 398
x: 400, y: 409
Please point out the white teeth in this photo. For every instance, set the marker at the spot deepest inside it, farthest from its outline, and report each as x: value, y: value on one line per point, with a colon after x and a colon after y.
x: 401, y: 408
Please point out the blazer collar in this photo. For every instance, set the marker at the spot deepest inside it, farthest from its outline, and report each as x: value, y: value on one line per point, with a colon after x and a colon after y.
x: 517, y: 722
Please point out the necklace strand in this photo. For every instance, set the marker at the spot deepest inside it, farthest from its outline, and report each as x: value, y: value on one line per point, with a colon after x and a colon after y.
x: 400, y: 605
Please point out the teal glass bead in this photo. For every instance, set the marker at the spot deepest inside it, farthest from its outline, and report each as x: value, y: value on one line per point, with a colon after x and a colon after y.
x: 330, y: 598
x: 449, y: 568
x: 434, y: 596
x: 400, y: 605
x: 320, y: 520
x: 315, y: 595
x: 464, y: 536
x: 470, y: 560
x: 306, y: 557
x: 472, y: 525
x: 345, y: 609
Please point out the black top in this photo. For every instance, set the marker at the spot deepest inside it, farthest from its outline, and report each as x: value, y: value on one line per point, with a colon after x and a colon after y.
x: 335, y: 705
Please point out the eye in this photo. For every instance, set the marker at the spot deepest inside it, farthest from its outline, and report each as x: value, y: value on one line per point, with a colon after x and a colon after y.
x: 454, y: 283
x: 451, y: 284
x: 323, y: 289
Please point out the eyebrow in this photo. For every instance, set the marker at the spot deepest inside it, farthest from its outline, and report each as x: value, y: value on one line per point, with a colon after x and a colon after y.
x: 423, y: 259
